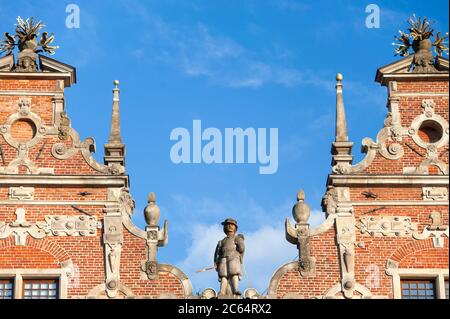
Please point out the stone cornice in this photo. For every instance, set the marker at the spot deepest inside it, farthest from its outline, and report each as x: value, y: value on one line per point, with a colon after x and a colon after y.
x: 411, y: 77
x: 407, y: 180
x: 89, y: 180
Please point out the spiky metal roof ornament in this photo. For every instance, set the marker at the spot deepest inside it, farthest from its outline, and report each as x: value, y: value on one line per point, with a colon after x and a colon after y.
x: 419, y: 30
x: 25, y: 38
x: 419, y: 40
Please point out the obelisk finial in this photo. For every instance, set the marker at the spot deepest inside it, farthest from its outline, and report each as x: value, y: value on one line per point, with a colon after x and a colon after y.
x: 341, y: 123
x: 341, y: 148
x: 115, y: 149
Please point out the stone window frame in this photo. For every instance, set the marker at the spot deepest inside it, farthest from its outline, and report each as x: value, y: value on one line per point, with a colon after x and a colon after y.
x: 18, y: 276
x: 439, y: 275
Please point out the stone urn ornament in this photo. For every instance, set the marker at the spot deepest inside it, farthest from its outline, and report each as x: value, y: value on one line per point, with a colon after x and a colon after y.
x: 152, y: 212
x: 301, y: 210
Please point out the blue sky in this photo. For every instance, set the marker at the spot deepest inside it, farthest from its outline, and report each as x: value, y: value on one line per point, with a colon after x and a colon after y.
x: 249, y: 63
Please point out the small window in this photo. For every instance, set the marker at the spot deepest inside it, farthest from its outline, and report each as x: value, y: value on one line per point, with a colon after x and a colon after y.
x: 446, y: 289
x: 418, y: 289
x: 40, y: 289
x: 6, y: 288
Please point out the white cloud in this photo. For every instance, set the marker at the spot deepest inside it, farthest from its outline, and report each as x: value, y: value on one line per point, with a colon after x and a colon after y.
x: 198, y: 51
x: 291, y: 5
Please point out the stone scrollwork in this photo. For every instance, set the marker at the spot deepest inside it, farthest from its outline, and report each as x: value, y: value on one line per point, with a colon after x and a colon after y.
x: 437, y: 229
x: 386, y: 226
x: 395, y: 151
x: 62, y: 151
x: 51, y: 226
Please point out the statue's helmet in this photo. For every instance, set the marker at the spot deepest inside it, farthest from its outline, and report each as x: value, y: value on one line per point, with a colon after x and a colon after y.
x: 230, y: 221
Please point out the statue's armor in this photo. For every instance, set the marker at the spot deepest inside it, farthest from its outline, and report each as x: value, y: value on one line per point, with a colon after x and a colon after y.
x: 228, y: 256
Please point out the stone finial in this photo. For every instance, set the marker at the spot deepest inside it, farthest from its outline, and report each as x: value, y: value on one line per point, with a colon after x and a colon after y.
x: 341, y: 123
x: 115, y: 149
x: 341, y: 148
x: 301, y: 210
x: 114, y: 136
x: 152, y: 212
x: 299, y: 235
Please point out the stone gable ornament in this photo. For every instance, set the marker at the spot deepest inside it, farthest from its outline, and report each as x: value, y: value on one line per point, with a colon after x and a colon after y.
x: 419, y: 39
x: 228, y: 258
x: 26, y: 40
x: 152, y: 212
x: 156, y: 237
x: 299, y: 235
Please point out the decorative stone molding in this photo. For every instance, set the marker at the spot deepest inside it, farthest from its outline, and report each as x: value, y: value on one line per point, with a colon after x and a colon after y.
x: 324, y: 227
x: 155, y: 238
x: 252, y: 293
x: 126, y: 201
x: 52, y: 226
x: 436, y: 229
x: 431, y: 156
x: 363, y: 291
x: 391, y: 265
x: 112, y: 240
x: 23, y: 113
x: 299, y: 236
x: 434, y: 193
x: 279, y: 273
x: 346, y: 240
x: 86, y: 147
x: 184, y: 280
x: 98, y: 292
x: 40, y: 130
x: 21, y: 193
x: 70, y: 225
x: 388, y: 226
x: 21, y: 228
x: 64, y: 126
x: 208, y: 293
x: 330, y: 200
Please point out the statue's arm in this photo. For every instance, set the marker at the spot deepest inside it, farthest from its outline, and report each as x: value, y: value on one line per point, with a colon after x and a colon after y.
x: 216, y: 254
x: 240, y: 247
